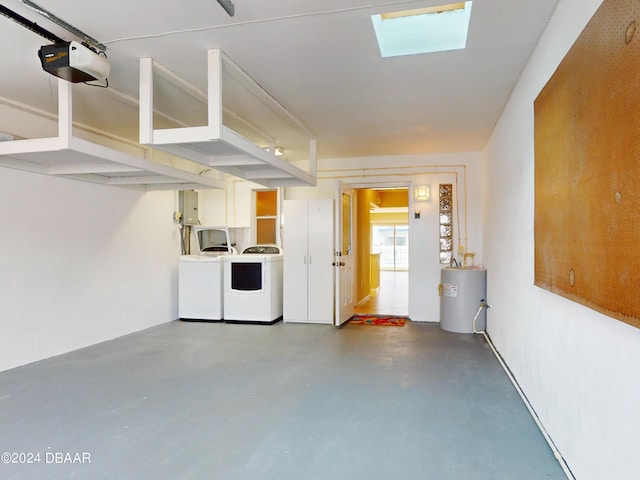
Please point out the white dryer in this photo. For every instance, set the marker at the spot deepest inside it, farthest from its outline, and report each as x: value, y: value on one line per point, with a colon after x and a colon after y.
x: 253, y: 285
x: 200, y: 276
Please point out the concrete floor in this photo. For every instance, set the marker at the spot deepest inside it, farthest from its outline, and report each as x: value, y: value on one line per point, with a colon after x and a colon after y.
x: 219, y: 401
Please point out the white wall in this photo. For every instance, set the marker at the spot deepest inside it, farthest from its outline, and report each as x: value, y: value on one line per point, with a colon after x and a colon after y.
x: 463, y: 170
x: 577, y: 367
x: 81, y: 263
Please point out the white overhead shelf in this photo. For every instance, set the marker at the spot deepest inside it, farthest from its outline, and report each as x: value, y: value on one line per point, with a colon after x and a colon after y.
x: 71, y: 157
x: 240, y: 127
x: 78, y: 159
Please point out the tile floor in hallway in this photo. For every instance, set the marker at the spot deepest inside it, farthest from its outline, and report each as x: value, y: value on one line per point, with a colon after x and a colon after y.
x: 288, y: 401
x: 391, y: 298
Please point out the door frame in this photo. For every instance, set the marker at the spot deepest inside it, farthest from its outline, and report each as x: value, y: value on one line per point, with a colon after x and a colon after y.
x: 409, y: 185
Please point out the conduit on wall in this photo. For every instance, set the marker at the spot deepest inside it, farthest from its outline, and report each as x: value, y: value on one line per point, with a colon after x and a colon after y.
x: 357, y: 176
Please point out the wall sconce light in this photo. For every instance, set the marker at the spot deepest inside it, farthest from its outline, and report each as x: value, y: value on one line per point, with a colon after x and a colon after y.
x: 423, y: 192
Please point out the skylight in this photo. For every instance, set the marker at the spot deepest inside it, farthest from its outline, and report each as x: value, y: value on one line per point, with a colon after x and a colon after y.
x: 423, y: 30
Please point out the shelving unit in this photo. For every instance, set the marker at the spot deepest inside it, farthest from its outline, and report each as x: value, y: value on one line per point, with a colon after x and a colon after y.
x: 239, y: 130
x: 72, y: 157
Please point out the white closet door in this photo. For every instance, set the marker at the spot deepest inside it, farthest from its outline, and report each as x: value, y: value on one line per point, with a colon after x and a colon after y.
x: 321, y: 272
x: 295, y: 261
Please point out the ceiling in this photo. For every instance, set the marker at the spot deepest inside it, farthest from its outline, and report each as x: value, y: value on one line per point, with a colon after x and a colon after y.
x: 319, y: 58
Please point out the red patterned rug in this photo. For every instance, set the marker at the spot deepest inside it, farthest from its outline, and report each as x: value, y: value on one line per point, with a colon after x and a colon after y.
x: 380, y: 320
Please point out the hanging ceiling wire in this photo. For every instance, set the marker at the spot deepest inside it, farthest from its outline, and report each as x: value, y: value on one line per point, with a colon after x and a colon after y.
x: 263, y: 20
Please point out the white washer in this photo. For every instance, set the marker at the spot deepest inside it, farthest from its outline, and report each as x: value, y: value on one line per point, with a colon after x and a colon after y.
x: 200, y: 277
x: 253, y: 285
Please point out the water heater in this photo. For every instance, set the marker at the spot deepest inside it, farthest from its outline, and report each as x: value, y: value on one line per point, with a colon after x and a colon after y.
x: 462, y: 291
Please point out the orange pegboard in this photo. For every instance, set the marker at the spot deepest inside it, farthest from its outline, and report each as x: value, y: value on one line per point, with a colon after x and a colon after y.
x: 587, y: 168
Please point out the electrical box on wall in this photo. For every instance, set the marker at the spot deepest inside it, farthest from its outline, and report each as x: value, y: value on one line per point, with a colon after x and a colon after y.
x: 188, y: 205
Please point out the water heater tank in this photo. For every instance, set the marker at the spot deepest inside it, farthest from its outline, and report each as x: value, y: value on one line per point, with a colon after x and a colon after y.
x: 461, y: 293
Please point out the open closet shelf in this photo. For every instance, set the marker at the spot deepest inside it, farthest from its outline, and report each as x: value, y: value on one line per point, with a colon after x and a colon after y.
x: 228, y: 141
x: 72, y: 157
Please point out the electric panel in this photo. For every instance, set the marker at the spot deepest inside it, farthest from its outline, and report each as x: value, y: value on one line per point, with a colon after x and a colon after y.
x: 188, y: 205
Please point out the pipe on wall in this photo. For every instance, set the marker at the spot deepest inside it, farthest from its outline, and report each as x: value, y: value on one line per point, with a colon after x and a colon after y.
x: 525, y: 400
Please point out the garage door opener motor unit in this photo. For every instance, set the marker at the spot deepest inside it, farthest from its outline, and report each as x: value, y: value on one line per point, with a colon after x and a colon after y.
x: 74, y: 62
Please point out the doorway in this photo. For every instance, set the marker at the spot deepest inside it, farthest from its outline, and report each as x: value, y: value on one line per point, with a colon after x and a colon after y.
x: 391, y: 242
x: 382, y: 223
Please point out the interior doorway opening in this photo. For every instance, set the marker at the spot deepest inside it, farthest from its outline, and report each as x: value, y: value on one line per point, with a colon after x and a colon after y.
x: 382, y: 222
x: 391, y: 242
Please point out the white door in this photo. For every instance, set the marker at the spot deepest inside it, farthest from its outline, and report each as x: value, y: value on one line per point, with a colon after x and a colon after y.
x: 344, y: 258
